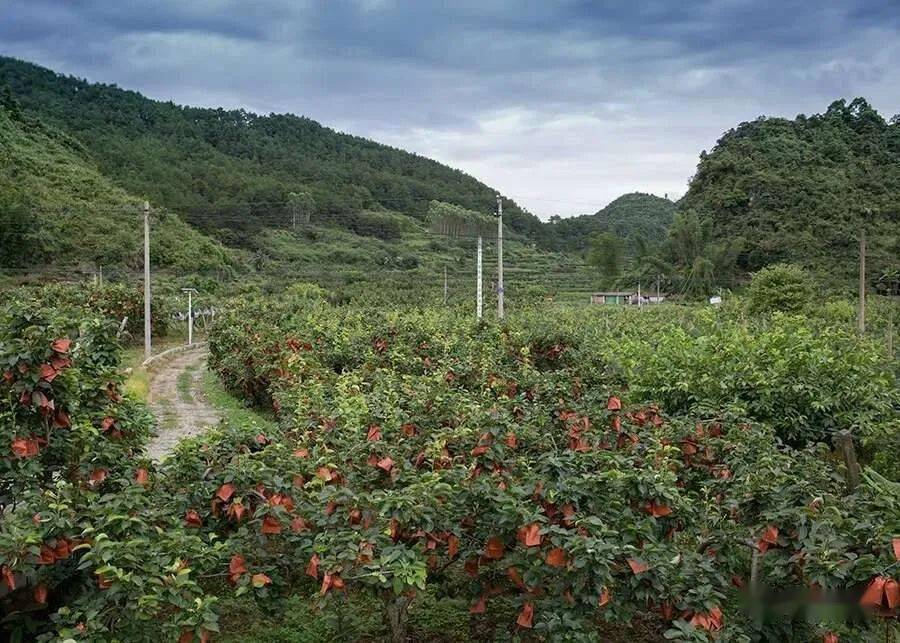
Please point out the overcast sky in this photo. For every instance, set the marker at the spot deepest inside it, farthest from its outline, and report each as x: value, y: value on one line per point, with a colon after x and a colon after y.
x: 562, y: 105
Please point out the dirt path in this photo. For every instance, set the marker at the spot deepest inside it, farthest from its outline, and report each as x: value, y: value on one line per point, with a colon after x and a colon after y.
x: 177, y: 401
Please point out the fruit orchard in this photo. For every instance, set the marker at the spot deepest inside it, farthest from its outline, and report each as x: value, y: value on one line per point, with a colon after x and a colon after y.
x: 564, y: 472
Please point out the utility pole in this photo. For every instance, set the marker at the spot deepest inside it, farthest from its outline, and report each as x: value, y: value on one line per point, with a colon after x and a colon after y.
x: 148, y: 350
x: 499, y: 257
x: 190, y: 292
x: 658, y: 300
x: 862, y: 282
x: 639, y: 295
x: 478, y: 281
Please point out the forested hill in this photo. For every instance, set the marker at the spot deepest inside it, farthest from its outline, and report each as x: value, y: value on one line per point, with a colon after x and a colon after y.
x: 630, y: 217
x: 196, y: 159
x: 57, y: 210
x: 801, y: 190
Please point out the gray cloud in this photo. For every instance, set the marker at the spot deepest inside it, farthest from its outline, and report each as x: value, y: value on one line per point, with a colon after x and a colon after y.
x: 562, y: 105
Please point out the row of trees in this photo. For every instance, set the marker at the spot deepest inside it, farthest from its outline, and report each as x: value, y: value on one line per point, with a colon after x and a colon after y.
x: 690, y: 261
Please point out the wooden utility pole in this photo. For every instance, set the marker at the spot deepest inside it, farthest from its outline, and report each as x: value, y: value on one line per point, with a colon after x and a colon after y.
x: 478, y: 298
x: 861, y: 316
x: 148, y: 350
x: 499, y: 257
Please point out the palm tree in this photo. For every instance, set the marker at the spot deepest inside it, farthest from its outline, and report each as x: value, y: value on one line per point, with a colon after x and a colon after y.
x: 697, y: 263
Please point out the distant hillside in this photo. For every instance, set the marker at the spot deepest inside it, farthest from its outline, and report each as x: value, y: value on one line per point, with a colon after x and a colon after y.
x: 801, y: 190
x: 57, y: 209
x: 61, y: 218
x: 631, y: 216
x: 199, y: 161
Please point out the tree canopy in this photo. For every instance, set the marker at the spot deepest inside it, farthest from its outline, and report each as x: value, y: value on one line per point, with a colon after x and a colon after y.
x: 634, y: 217
x: 196, y: 160
x: 801, y: 190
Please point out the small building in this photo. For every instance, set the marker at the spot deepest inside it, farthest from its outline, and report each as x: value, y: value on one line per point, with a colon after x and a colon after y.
x: 613, y: 297
x: 626, y: 297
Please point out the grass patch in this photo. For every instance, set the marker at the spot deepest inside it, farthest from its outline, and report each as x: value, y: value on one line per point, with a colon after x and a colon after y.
x: 167, y: 419
x: 355, y: 616
x: 137, y: 383
x: 232, y: 410
x: 183, y: 384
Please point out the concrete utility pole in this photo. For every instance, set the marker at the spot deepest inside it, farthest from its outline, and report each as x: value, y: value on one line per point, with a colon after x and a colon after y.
x: 190, y: 292
x: 148, y: 350
x: 478, y: 298
x: 499, y: 257
x: 861, y: 319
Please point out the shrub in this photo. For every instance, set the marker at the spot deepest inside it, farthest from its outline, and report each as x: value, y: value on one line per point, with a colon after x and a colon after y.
x: 415, y: 445
x: 85, y: 551
x: 425, y: 464
x: 780, y: 287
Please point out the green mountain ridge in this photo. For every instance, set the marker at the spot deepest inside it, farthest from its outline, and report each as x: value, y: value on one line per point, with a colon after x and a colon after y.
x: 632, y: 216
x: 78, y: 157
x: 802, y: 190
x: 57, y: 209
x: 60, y: 217
x: 200, y: 160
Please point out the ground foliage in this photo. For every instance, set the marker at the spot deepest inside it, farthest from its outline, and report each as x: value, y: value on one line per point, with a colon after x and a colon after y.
x: 86, y: 553
x: 555, y: 476
x: 120, y: 302
x: 414, y: 445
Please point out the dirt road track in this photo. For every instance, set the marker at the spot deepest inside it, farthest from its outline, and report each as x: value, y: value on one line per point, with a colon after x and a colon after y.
x: 177, y: 401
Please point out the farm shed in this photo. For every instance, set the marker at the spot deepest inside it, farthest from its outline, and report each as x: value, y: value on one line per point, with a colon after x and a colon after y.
x: 625, y: 297
x: 613, y: 297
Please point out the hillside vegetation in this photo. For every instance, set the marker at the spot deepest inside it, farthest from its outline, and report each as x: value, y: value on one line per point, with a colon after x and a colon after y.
x: 61, y: 215
x: 57, y: 209
x: 193, y: 159
x: 79, y: 156
x: 801, y: 190
x: 634, y: 216
x: 280, y: 198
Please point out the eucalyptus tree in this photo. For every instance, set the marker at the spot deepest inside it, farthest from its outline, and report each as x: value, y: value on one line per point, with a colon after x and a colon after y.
x: 457, y: 222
